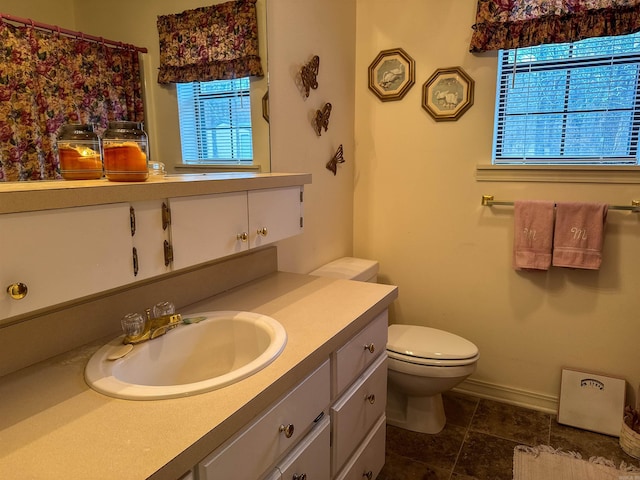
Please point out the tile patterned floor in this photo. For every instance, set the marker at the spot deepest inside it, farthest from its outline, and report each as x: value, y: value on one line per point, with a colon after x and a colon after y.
x: 478, y: 441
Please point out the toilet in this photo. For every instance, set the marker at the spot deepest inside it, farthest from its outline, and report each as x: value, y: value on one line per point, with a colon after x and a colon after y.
x: 423, y: 362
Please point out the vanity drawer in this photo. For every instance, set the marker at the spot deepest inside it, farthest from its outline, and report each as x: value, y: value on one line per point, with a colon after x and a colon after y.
x: 248, y: 454
x: 368, y: 461
x: 355, y: 356
x: 309, y: 459
x: 355, y: 413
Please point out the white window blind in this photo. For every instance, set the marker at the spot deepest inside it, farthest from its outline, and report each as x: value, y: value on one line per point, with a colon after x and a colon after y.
x: 570, y: 103
x: 215, y: 121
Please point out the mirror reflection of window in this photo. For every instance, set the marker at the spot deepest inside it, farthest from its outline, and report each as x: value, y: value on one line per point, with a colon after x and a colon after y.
x: 215, y: 122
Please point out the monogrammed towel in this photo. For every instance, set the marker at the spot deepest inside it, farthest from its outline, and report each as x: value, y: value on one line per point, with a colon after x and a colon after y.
x: 533, y: 234
x: 579, y: 235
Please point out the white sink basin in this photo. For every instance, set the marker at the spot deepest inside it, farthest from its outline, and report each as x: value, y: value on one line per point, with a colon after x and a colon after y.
x: 194, y: 358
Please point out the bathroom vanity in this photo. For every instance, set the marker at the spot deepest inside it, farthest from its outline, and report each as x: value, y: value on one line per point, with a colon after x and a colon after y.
x: 55, y: 427
x: 317, y: 409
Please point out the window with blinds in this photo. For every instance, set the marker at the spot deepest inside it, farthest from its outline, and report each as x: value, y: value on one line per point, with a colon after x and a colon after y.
x: 571, y: 103
x: 215, y: 122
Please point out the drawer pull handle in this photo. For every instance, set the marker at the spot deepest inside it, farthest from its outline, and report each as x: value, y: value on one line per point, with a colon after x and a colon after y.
x: 302, y: 476
x: 368, y: 475
x: 371, y: 347
x: 371, y: 398
x: 17, y: 291
x: 287, y: 430
x: 244, y: 236
x: 263, y: 232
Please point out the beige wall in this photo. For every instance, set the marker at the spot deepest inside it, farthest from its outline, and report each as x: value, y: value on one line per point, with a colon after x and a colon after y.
x: 59, y: 12
x: 417, y: 210
x: 298, y: 30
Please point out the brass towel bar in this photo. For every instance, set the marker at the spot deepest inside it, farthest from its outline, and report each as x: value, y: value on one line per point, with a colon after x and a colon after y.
x: 488, y: 201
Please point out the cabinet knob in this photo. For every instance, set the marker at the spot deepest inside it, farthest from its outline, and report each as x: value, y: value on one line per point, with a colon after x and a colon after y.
x: 243, y: 237
x: 263, y: 231
x: 368, y: 475
x: 371, y: 398
x: 17, y: 291
x: 371, y: 347
x: 302, y: 476
x: 287, y: 430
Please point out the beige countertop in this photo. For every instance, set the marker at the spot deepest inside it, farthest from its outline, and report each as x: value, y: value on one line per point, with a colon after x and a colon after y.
x: 53, y: 426
x: 50, y: 194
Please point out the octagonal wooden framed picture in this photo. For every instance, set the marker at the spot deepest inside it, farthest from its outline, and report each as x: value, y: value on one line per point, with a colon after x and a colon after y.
x: 447, y: 94
x: 391, y: 74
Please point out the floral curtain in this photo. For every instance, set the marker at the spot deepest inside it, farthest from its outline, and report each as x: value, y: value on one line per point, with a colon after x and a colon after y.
x: 218, y: 42
x: 506, y: 24
x: 47, y: 80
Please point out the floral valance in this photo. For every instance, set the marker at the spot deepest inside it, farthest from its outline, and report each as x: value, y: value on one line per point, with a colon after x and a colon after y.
x: 218, y: 42
x: 506, y: 24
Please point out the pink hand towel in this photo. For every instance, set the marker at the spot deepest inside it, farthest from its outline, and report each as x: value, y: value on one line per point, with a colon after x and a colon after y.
x: 579, y: 235
x: 533, y: 234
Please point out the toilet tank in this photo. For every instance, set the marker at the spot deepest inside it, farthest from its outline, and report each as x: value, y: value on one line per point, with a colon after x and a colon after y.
x: 350, y: 268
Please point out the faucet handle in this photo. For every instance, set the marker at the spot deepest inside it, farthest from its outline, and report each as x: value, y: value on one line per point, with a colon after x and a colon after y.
x: 161, y: 309
x: 132, y: 324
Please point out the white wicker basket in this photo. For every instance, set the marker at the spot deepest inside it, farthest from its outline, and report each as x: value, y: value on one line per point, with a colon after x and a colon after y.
x: 630, y: 441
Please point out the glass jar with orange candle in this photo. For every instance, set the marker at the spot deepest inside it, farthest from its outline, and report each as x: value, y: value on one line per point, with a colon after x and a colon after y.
x: 79, y: 152
x: 125, y: 146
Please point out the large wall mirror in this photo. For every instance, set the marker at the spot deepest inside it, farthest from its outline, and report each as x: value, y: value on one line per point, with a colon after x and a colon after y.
x: 134, y: 22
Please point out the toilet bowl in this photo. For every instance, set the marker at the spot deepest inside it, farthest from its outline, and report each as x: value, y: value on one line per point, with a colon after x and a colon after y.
x: 423, y: 362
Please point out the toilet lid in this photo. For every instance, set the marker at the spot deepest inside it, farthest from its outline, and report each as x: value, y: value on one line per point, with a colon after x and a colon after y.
x: 429, y: 343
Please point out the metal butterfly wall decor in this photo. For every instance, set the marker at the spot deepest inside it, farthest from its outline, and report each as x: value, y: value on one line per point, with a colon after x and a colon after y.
x: 332, y: 165
x: 309, y: 73
x: 322, y: 119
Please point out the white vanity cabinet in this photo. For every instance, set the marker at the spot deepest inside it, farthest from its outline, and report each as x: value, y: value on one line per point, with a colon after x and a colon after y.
x: 150, y: 234
x: 360, y: 382
x: 63, y: 254
x: 274, y: 214
x: 337, y: 415
x: 206, y: 227
x: 254, y: 451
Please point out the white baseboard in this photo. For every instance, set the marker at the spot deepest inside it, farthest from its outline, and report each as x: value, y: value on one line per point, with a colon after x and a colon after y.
x: 512, y: 396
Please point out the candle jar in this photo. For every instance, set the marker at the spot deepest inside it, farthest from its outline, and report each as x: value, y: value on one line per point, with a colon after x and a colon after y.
x: 79, y: 152
x: 125, y: 146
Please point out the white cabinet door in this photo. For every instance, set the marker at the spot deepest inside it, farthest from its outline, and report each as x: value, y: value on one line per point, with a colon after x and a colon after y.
x: 63, y: 254
x: 274, y: 214
x: 206, y: 227
x: 149, y: 237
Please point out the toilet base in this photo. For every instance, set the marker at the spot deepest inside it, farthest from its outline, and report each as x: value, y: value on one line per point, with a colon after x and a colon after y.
x: 418, y: 414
